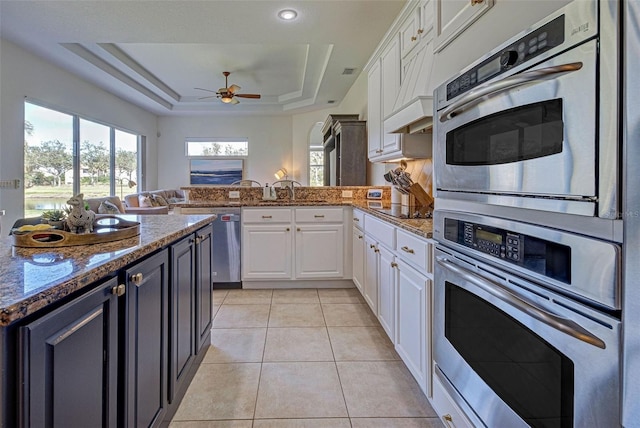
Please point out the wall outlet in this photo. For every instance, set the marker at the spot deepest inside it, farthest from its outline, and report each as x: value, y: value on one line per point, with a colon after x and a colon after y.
x: 347, y: 193
x: 234, y: 194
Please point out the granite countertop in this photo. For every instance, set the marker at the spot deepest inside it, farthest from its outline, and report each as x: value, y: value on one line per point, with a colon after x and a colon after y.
x: 33, y: 278
x: 420, y: 227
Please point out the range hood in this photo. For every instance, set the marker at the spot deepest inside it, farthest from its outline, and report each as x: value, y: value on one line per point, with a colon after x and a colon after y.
x: 413, y: 110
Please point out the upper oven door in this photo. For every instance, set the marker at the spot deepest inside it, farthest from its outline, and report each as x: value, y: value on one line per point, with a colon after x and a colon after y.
x: 532, y: 133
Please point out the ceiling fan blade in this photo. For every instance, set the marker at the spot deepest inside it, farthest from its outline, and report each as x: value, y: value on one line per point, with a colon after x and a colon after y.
x: 208, y: 90
x: 256, y: 96
x: 234, y: 101
x: 233, y: 88
x: 204, y: 98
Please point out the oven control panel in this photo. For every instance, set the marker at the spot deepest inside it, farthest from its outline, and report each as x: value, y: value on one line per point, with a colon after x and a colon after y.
x: 495, y: 242
x: 548, y: 258
x: 523, y: 50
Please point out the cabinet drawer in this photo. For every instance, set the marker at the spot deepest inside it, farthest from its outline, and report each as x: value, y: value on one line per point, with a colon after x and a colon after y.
x: 414, y: 250
x: 358, y: 218
x: 448, y: 411
x: 266, y: 215
x: 318, y: 215
x: 383, y: 232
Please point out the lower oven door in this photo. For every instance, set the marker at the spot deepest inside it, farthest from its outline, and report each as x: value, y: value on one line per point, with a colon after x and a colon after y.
x: 520, y: 355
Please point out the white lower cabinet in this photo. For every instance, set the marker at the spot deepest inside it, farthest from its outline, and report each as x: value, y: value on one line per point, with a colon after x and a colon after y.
x: 413, y: 322
x: 305, y: 243
x: 386, y: 291
x: 319, y: 251
x: 370, y: 287
x: 448, y: 411
x: 266, y: 251
x: 357, y: 242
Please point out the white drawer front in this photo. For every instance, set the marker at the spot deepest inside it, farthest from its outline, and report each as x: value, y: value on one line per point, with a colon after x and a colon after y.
x: 383, y: 232
x: 318, y: 215
x: 414, y: 250
x: 358, y: 218
x: 266, y: 215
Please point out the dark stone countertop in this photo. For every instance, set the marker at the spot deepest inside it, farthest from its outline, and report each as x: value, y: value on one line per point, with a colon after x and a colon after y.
x: 32, y: 278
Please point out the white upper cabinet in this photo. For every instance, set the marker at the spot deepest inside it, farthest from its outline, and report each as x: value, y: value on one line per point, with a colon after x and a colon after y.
x: 452, y: 17
x: 417, y: 27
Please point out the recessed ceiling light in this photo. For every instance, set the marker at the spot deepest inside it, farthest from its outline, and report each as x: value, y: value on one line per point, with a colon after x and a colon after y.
x: 288, y: 14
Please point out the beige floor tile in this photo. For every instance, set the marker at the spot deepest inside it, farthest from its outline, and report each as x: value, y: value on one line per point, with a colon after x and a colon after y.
x: 242, y: 316
x: 349, y: 315
x: 248, y: 297
x: 296, y: 315
x: 239, y: 345
x: 396, y: 423
x: 298, y: 344
x: 299, y: 390
x: 211, y: 424
x: 340, y: 295
x: 219, y: 295
x: 221, y: 391
x: 382, y: 389
x: 302, y: 423
x: 361, y: 344
x: 295, y: 295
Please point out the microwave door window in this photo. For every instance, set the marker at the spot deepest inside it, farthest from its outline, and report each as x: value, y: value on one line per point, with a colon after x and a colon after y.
x: 522, y: 133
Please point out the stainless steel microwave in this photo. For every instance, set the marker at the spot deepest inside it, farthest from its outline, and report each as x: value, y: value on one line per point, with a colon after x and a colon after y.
x: 532, y: 124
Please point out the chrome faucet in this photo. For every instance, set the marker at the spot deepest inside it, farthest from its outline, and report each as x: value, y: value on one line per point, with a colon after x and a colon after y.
x: 292, y: 192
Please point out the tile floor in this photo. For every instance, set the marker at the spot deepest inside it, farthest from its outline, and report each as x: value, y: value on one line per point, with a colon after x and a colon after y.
x: 300, y: 358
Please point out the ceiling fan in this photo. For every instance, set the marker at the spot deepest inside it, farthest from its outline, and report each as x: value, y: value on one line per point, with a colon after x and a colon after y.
x: 228, y: 94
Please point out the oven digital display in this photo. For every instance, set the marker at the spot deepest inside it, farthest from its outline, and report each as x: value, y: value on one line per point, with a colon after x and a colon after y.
x: 496, y: 238
x: 489, y: 69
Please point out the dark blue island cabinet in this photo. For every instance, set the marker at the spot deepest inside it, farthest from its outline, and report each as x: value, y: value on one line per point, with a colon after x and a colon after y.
x: 121, y: 354
x: 70, y: 363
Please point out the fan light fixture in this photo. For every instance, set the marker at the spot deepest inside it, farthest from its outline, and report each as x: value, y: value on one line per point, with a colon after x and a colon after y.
x: 281, y: 173
x: 226, y: 99
x: 288, y: 14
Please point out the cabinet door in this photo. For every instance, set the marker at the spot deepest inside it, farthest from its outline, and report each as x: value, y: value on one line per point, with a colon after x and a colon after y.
x: 374, y: 111
x: 370, y: 287
x: 386, y: 291
x: 266, y: 251
x: 409, y: 35
x: 69, y: 365
x: 147, y: 336
x: 358, y: 257
x: 204, y: 285
x: 412, y: 337
x: 452, y: 17
x: 319, y: 251
x: 182, y: 343
x: 390, y: 63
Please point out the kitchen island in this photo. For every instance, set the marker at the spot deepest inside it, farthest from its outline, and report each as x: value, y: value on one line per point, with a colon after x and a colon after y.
x: 107, y: 334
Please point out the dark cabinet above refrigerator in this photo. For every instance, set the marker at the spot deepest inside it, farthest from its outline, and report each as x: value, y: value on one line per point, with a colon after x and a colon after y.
x: 345, y: 150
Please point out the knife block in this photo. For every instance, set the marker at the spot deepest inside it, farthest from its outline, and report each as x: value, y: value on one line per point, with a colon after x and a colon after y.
x: 422, y: 198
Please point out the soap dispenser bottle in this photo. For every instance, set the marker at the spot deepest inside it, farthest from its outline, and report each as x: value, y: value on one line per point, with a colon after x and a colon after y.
x: 266, y: 192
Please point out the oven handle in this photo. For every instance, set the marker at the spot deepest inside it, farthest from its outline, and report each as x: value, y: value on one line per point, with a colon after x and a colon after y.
x: 522, y: 303
x: 504, y: 84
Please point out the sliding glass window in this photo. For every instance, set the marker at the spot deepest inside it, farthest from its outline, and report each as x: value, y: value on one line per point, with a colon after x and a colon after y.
x: 66, y: 154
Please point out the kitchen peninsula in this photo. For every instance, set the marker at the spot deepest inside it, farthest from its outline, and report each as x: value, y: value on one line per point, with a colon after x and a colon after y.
x: 107, y: 334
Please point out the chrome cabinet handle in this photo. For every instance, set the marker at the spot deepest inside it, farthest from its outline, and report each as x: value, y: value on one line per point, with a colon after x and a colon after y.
x: 481, y: 91
x: 266, y: 216
x: 137, y: 279
x: 318, y: 216
x: 523, y: 304
x: 408, y: 250
x: 119, y: 290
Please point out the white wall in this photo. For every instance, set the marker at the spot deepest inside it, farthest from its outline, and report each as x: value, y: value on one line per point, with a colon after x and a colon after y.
x: 25, y: 75
x: 269, y: 144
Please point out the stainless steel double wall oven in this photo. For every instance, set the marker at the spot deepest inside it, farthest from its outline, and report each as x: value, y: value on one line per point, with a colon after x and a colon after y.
x: 527, y: 279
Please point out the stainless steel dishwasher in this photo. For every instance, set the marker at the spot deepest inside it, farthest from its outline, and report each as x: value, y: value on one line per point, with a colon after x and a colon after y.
x: 225, y: 269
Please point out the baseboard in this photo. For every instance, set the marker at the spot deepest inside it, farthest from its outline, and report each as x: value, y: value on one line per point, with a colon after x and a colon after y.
x: 330, y: 283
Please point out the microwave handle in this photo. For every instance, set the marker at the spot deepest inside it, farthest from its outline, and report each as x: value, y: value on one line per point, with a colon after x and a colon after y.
x: 519, y: 302
x: 504, y: 84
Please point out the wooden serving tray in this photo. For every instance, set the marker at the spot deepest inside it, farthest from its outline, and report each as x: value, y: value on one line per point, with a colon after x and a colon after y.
x: 105, y: 229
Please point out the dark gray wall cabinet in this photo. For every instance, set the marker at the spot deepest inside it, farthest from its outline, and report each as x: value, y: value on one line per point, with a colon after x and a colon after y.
x: 345, y: 150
